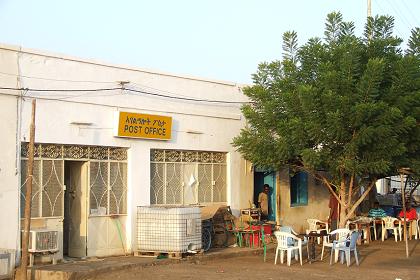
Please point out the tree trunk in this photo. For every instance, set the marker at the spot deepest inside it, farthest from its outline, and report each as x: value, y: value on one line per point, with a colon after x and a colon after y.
x: 347, y: 194
x: 343, y: 219
x: 348, y: 209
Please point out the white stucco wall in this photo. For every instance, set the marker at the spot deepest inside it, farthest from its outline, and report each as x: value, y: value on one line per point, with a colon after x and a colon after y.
x: 9, y: 177
x: 9, y: 190
x: 216, y: 123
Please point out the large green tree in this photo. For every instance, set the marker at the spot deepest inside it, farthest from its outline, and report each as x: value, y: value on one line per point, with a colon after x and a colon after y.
x: 344, y: 108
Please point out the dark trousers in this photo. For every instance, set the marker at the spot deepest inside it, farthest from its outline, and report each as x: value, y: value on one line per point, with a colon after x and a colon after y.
x: 264, y: 217
x: 378, y: 232
x: 334, y: 225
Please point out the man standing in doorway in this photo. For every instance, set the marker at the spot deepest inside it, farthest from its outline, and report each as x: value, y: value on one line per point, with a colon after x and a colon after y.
x: 263, y: 201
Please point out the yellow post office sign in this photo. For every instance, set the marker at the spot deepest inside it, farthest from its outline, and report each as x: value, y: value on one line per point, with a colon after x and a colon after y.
x: 136, y: 125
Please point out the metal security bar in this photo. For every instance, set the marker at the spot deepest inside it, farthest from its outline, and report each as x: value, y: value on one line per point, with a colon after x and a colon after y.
x: 48, y: 188
x: 99, y: 182
x: 118, y: 188
x: 182, y: 177
x: 75, y: 152
x: 36, y: 188
x: 107, y: 180
x: 108, y: 188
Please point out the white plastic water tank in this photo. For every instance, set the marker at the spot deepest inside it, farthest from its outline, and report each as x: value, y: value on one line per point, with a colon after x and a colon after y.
x: 168, y: 229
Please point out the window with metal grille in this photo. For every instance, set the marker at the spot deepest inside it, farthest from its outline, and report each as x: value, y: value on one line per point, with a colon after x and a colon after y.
x: 107, y: 180
x: 182, y: 177
x: 108, y: 188
x: 47, y: 188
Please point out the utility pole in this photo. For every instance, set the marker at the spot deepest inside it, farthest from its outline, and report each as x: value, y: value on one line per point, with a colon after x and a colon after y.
x: 22, y: 272
x: 405, y: 214
x: 406, y: 172
x: 369, y: 13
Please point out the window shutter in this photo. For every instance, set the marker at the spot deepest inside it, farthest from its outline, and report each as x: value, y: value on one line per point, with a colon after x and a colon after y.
x: 303, y: 188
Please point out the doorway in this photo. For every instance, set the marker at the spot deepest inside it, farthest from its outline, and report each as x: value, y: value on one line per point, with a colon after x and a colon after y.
x: 266, y: 177
x: 75, y: 209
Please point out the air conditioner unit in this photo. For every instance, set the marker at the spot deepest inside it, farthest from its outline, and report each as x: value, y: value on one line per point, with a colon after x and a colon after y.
x: 7, y: 263
x: 43, y: 241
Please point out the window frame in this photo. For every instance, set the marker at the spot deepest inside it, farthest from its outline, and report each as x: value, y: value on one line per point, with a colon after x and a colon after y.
x: 197, y: 158
x: 66, y: 152
x: 299, y: 183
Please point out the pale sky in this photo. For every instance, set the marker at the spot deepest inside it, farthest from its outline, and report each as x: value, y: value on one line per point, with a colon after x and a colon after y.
x: 216, y: 39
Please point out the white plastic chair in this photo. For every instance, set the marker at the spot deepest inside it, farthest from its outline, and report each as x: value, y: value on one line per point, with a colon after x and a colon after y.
x: 373, y: 225
x: 365, y: 230
x: 314, y: 225
x: 283, y: 245
x: 415, y: 229
x: 345, y: 247
x: 287, y: 229
x: 412, y: 228
x: 418, y: 228
x: 291, y: 241
x: 340, y: 234
x: 290, y: 230
x: 389, y: 223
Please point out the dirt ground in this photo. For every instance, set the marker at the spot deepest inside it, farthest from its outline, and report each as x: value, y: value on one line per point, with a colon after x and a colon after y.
x: 377, y: 261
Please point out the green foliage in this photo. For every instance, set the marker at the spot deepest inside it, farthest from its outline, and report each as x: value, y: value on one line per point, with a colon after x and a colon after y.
x: 290, y: 45
x: 414, y: 42
x: 347, y: 105
x: 333, y: 27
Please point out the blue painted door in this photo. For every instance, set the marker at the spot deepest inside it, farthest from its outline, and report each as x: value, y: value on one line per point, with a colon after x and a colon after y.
x: 261, y: 178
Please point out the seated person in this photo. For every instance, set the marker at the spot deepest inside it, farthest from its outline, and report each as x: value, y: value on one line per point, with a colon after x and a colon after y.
x: 411, y: 213
x: 376, y: 212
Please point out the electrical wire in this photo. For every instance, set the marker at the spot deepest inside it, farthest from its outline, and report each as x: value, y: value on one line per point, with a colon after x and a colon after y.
x: 395, y: 26
x: 159, y: 90
x: 60, y: 90
x: 65, y: 97
x: 400, y: 15
x: 123, y: 89
x: 57, y: 80
x: 411, y: 13
x: 128, y: 107
x: 184, y: 98
x: 102, y: 82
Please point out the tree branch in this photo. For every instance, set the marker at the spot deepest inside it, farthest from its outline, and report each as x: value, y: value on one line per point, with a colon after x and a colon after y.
x: 414, y: 188
x: 323, y: 179
x: 329, y: 186
x: 343, y: 192
x: 361, y: 198
x: 350, y: 189
x: 356, y: 189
